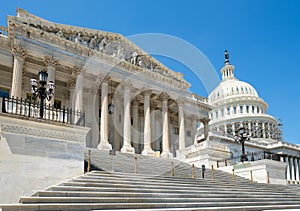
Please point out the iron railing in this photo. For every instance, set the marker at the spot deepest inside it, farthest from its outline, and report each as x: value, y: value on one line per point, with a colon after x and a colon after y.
x: 254, y: 156
x: 30, y: 108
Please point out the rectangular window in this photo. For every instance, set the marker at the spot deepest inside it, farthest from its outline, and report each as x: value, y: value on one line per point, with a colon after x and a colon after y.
x: 247, y: 109
x: 253, y: 109
x: 241, y: 109
x: 176, y: 130
x: 228, y: 111
x: 217, y: 114
x: 234, y: 110
x: 4, y: 92
x: 222, y: 112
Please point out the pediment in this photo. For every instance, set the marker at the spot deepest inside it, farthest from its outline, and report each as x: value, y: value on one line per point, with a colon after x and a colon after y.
x: 101, y: 42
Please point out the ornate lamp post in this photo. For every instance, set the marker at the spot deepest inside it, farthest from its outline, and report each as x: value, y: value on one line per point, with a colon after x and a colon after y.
x: 42, y: 92
x: 242, y: 136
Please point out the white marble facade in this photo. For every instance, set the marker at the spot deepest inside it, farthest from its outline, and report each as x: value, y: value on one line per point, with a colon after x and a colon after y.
x: 153, y: 109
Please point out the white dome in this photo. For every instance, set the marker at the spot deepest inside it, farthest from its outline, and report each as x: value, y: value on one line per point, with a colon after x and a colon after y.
x: 232, y: 87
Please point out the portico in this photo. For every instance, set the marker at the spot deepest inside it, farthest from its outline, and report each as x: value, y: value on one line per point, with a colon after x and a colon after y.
x: 153, y: 111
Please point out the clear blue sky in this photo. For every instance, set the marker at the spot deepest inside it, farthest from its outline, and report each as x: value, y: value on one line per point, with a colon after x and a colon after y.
x: 262, y: 36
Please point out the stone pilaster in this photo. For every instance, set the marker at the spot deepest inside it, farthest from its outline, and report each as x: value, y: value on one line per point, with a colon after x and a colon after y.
x: 19, y: 54
x: 147, y: 128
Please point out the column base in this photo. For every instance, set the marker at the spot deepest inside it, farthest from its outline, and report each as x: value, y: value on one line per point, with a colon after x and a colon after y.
x: 149, y: 152
x: 104, y: 145
x: 128, y: 149
x: 166, y: 155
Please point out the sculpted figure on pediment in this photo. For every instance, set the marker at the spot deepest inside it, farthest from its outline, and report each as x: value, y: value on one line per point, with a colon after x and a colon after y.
x: 60, y: 34
x: 102, y: 44
x: 78, y: 38
x: 93, y: 42
x: 133, y: 59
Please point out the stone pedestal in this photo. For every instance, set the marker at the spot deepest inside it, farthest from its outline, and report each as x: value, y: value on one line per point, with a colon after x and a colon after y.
x: 206, y: 153
x: 260, y: 171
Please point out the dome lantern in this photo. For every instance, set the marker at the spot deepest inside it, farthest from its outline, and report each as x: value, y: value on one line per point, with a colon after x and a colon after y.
x: 228, y: 70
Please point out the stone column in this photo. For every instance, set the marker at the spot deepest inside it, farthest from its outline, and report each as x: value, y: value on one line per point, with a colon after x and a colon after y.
x: 205, y: 122
x: 233, y: 129
x: 165, y: 129
x: 19, y: 54
x: 293, y: 169
x: 135, y: 128
x: 249, y: 128
x: 296, y: 170
x: 50, y: 63
x: 288, y: 172
x: 147, y: 128
x: 194, y: 129
x: 264, y: 129
x: 127, y: 148
x: 180, y: 103
x: 117, y: 118
x: 104, y: 144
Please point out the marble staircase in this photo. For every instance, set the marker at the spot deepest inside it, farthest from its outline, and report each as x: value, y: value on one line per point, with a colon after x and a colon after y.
x: 118, y: 187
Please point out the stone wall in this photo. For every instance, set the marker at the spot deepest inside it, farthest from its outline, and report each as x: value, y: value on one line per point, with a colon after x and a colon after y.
x: 35, y: 155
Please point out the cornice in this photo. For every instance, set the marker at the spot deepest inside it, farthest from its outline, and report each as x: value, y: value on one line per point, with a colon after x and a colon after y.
x: 46, y: 30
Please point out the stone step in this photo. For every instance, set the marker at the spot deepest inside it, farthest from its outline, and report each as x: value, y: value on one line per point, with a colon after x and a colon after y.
x: 161, y: 190
x: 164, y: 186
x: 155, y: 180
x: 153, y: 206
x: 130, y: 175
x: 26, y: 200
x: 156, y: 195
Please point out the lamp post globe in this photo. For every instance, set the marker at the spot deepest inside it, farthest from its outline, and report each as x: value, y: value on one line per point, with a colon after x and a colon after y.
x: 42, y: 92
x: 241, y: 137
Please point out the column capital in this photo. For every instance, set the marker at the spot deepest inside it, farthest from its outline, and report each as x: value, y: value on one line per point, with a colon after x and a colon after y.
x: 205, y: 120
x: 164, y: 96
x: 180, y: 102
x: 126, y: 85
x: 146, y: 93
x: 102, y: 78
x: 50, y: 61
x: 19, y: 51
x: 77, y: 70
x: 71, y: 84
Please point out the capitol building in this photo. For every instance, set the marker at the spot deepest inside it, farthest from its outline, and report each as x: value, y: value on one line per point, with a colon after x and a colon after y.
x: 65, y: 89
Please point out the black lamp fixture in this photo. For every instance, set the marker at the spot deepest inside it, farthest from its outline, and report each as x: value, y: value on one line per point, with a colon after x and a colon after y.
x: 242, y: 136
x: 111, y: 107
x: 42, y: 92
